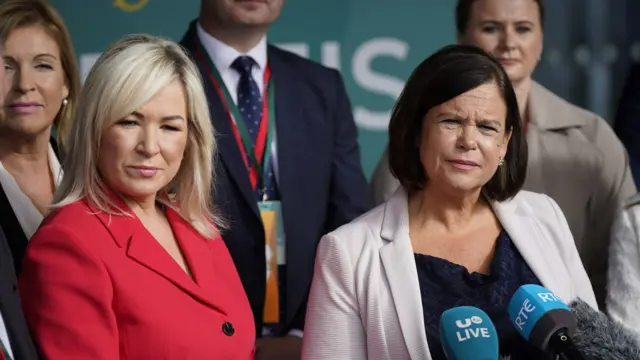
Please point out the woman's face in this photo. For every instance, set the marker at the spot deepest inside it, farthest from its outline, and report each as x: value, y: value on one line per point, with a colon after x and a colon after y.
x: 464, y: 139
x: 141, y: 153
x: 510, y: 30
x: 35, y: 82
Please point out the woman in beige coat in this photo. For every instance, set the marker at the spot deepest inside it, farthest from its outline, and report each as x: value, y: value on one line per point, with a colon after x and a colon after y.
x: 574, y: 156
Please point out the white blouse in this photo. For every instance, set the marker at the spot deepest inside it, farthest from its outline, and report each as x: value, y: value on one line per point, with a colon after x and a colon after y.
x: 27, y: 214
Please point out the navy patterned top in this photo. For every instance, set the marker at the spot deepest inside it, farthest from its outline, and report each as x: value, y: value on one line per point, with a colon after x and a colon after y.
x: 444, y: 285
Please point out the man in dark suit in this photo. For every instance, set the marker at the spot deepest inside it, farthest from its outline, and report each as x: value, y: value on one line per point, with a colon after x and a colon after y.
x: 15, y: 339
x: 627, y: 120
x: 314, y: 171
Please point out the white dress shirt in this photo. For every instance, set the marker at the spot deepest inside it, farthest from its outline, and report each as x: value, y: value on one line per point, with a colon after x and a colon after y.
x: 222, y: 56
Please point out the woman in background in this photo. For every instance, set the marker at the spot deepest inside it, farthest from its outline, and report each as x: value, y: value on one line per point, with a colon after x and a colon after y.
x: 130, y: 265
x: 40, y: 92
x: 574, y: 156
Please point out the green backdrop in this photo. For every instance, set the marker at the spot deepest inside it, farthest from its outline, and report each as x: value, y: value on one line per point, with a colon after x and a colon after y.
x: 375, y: 43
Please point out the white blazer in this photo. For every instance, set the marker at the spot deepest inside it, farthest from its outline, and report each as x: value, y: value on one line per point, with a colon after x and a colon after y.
x: 365, y: 298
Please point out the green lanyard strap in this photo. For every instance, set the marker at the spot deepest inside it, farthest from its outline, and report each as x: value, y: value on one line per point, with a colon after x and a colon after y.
x: 261, y: 151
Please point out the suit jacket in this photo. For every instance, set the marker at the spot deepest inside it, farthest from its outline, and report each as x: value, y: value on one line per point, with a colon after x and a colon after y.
x: 576, y: 159
x: 19, y: 336
x: 16, y: 239
x: 365, y: 301
x: 320, y: 178
x: 627, y: 119
x: 624, y: 266
x: 100, y: 286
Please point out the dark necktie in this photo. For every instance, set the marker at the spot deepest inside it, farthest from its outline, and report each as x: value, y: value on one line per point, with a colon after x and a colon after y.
x: 250, y: 104
x: 249, y: 96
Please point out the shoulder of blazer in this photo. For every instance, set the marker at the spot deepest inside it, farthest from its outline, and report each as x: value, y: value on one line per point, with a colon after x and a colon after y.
x: 551, y: 112
x: 299, y: 62
x: 75, y: 218
x: 536, y: 205
x: 361, y: 231
x: 551, y: 222
x: 308, y: 71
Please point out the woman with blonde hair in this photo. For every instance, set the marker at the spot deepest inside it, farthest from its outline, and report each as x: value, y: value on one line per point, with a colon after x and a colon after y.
x: 40, y: 92
x: 130, y: 264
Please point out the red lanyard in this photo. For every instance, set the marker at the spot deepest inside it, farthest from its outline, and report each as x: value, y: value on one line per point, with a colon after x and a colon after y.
x: 257, y: 156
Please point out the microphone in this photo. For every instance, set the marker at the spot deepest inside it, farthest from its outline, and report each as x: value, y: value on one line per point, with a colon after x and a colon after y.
x: 599, y: 337
x: 467, y: 333
x: 544, y: 321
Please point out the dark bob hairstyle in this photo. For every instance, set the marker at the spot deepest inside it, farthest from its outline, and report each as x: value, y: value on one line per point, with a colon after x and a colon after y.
x: 448, y: 73
x: 463, y: 13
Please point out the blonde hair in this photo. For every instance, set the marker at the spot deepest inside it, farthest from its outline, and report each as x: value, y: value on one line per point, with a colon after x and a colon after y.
x: 127, y: 76
x: 15, y: 14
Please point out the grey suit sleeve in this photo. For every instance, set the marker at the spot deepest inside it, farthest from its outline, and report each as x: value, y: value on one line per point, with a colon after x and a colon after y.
x: 624, y: 270
x: 615, y: 185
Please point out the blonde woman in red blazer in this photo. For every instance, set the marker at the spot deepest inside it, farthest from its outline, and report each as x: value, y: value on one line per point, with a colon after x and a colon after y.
x: 130, y: 264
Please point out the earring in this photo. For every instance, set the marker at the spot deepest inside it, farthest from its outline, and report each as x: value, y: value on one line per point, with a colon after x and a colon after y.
x: 500, y: 161
x: 65, y: 102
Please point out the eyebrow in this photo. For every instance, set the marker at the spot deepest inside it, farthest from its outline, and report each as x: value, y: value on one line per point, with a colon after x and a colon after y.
x: 166, y: 118
x: 38, y: 56
x: 493, y: 122
x: 497, y: 22
x: 45, y: 55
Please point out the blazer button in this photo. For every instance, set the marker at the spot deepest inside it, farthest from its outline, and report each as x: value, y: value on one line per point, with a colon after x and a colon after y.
x: 227, y: 329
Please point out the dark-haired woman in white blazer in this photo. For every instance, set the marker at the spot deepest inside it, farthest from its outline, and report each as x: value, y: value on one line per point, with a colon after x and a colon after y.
x: 458, y: 231
x: 574, y: 155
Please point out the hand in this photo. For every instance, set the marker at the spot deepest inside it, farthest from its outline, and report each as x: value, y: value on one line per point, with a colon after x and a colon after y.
x: 279, y: 348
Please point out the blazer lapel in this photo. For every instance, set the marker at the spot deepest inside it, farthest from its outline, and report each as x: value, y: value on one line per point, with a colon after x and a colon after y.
x: 227, y: 146
x: 196, y: 251
x: 547, y: 114
x: 290, y: 130
x: 130, y: 234
x: 16, y: 238
x: 526, y: 236
x: 400, y: 268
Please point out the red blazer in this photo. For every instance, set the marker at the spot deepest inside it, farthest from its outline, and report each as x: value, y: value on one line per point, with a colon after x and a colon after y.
x: 95, y: 286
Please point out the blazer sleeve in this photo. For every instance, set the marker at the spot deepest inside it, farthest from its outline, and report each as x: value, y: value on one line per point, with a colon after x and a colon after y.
x: 623, y: 292
x: 67, y: 294
x: 614, y: 186
x: 579, y: 278
x: 333, y: 328
x: 350, y: 193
